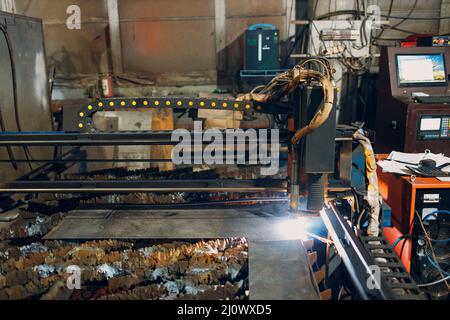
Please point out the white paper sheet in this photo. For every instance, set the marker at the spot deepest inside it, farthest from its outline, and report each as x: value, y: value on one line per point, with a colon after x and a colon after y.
x: 397, y: 162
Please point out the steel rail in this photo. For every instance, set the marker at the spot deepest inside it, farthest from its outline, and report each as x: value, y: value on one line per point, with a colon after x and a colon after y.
x: 110, y: 138
x: 355, y: 258
x: 127, y: 186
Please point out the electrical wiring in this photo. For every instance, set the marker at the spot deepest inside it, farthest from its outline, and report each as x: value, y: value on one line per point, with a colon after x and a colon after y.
x: 391, y: 5
x: 285, y: 83
x: 402, y: 30
x: 355, y: 195
x: 359, y: 220
x: 430, y: 260
x: 421, y: 285
x: 356, y: 12
x: 428, y: 240
x: 403, y: 247
x: 432, y: 214
x: 397, y: 241
x: 419, y: 18
x: 352, y: 64
x: 407, y: 16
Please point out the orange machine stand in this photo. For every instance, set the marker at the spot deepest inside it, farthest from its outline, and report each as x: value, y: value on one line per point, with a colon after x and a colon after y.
x: 399, y: 192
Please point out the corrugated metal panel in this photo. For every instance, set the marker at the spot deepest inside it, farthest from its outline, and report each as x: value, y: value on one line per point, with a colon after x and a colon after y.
x: 138, y: 9
x: 255, y: 8
x: 49, y: 10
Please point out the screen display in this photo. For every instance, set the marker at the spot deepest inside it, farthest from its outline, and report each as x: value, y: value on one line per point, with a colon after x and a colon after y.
x: 421, y: 70
x: 430, y: 124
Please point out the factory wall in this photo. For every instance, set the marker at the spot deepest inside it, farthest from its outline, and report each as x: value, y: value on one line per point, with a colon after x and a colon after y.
x: 170, y: 41
x: 173, y: 42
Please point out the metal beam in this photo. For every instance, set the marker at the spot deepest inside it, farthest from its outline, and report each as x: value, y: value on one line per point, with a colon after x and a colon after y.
x: 114, y: 33
x: 290, y: 7
x: 127, y: 186
x: 111, y: 138
x: 220, y: 29
x: 354, y: 256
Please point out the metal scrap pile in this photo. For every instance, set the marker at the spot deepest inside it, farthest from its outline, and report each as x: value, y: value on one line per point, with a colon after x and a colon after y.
x: 110, y: 269
x: 33, y: 268
x: 29, y: 225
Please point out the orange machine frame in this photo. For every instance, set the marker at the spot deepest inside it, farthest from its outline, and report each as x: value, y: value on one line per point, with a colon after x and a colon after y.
x: 399, y: 192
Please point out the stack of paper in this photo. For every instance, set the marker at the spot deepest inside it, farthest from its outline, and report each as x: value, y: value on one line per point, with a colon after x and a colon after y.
x: 397, y: 162
x: 415, y: 158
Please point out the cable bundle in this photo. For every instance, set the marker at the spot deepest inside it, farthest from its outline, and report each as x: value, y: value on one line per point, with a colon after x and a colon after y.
x: 285, y: 83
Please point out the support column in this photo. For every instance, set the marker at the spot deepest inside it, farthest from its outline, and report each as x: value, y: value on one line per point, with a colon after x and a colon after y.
x: 220, y: 29
x: 290, y: 7
x: 8, y: 6
x: 114, y: 33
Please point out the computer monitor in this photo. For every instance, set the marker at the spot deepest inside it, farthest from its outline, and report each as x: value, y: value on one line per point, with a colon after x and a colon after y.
x: 421, y: 70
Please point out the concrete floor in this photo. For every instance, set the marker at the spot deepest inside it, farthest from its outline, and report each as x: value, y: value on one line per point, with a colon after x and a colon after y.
x: 278, y: 267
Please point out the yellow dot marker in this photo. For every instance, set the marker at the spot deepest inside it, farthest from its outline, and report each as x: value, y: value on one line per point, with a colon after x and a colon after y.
x: 179, y: 103
x: 134, y: 103
x: 157, y: 103
x: 80, y: 125
x: 191, y: 103
x: 168, y: 103
x: 225, y: 105
x: 202, y: 104
x: 122, y: 103
x: 145, y: 103
x: 90, y: 107
x: 82, y: 114
x: 100, y: 104
x: 111, y: 104
x: 236, y: 105
x: 248, y: 107
x: 213, y: 104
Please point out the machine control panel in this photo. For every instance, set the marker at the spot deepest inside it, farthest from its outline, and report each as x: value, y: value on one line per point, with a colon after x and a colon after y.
x: 435, y: 127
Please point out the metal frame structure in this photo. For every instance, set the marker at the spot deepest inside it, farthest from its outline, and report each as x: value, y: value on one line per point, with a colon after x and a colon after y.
x: 208, y: 185
x: 363, y: 255
x: 354, y: 254
x: 33, y: 139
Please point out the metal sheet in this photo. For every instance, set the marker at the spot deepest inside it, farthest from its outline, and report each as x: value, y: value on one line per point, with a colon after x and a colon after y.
x: 34, y: 113
x: 278, y: 267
